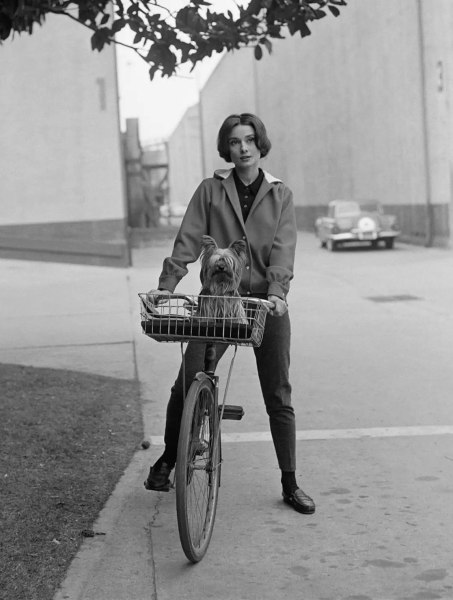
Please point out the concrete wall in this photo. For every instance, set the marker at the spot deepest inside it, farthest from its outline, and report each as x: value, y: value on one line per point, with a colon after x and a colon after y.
x: 355, y: 111
x: 360, y: 109
x: 61, y: 184
x: 437, y: 59
x: 230, y: 89
x: 184, y: 158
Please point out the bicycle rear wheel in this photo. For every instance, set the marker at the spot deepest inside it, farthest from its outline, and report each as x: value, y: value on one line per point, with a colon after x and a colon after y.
x: 197, y: 470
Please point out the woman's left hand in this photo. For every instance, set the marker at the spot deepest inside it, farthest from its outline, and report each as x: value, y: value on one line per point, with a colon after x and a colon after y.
x: 280, y: 306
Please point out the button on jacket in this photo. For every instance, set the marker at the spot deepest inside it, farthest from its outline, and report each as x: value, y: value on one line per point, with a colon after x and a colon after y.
x: 270, y: 233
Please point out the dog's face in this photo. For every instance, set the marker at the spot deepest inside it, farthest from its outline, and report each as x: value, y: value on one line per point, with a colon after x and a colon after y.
x: 221, y: 268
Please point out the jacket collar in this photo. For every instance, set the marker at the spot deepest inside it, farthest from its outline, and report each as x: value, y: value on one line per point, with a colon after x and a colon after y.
x: 227, y: 178
x: 225, y: 173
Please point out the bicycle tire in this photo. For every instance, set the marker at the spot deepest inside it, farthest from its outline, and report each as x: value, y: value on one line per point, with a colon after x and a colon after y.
x: 197, y: 469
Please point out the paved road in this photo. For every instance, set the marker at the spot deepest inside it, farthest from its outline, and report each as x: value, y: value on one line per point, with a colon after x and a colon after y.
x: 372, y: 379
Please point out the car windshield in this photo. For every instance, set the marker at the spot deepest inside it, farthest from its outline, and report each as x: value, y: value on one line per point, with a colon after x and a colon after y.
x: 347, y: 208
x: 371, y: 207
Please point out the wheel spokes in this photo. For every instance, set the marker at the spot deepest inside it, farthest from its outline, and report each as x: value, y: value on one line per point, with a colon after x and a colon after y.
x: 199, y: 472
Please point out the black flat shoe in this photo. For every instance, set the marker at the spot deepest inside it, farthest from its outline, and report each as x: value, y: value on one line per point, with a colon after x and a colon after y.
x: 300, y: 501
x: 159, y: 478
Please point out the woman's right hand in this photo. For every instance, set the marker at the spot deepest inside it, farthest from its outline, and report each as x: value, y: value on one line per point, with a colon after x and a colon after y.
x: 280, y: 307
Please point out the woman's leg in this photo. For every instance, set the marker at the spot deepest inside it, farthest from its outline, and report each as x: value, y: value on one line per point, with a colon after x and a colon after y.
x: 273, y: 359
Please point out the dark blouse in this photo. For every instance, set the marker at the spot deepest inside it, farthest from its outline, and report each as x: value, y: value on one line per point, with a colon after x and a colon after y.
x: 247, y: 193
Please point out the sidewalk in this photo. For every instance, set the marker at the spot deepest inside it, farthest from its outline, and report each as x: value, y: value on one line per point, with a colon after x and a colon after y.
x: 383, y: 519
x: 78, y: 318
x: 86, y: 318
x: 66, y: 316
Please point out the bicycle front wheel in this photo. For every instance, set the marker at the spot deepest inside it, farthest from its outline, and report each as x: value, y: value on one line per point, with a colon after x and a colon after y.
x: 197, y: 470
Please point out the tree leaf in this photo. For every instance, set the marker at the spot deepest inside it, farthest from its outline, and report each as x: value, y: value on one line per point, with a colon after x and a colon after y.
x: 268, y: 44
x: 334, y: 10
x: 305, y: 30
x: 120, y: 7
x: 118, y: 25
x: 254, y: 7
x: 100, y: 38
x: 5, y: 26
x: 153, y: 70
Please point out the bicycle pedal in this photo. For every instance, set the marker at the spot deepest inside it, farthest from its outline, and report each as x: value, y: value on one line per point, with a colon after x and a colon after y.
x: 232, y: 412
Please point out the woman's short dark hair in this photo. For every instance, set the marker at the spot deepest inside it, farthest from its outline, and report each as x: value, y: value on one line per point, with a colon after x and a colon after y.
x: 261, y: 140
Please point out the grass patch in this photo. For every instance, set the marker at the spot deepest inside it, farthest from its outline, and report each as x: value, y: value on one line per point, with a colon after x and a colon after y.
x: 65, y: 439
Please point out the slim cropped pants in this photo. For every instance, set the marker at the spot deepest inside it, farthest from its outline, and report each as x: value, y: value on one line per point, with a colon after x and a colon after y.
x: 272, y: 360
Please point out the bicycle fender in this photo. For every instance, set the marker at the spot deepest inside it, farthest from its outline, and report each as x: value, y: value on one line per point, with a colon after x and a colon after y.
x: 201, y: 376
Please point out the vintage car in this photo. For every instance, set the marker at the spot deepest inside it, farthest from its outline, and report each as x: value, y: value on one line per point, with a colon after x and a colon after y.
x: 348, y: 222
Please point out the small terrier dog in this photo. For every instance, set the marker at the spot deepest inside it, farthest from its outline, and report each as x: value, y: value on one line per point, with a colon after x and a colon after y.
x: 221, y: 271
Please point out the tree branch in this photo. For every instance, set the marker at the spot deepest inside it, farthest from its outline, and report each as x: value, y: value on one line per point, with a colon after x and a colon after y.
x: 166, y: 39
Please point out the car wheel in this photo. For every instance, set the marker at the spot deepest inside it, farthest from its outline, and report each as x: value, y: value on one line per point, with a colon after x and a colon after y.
x: 389, y: 243
x: 331, y: 245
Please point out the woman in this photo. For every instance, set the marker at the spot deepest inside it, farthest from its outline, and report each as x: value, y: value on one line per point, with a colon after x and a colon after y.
x: 243, y: 203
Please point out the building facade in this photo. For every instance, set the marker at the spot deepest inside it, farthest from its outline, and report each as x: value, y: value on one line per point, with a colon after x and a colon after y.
x: 62, y: 191
x: 184, y: 148
x: 361, y: 109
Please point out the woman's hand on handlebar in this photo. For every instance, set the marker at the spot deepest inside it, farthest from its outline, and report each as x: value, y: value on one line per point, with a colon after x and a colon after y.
x: 279, y: 308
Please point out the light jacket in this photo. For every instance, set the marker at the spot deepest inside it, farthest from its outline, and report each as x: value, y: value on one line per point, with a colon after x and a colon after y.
x: 270, y: 233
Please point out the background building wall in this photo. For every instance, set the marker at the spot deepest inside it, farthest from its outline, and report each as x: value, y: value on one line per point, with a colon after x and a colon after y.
x: 356, y: 97
x: 360, y: 109
x: 437, y: 59
x: 61, y: 184
x: 230, y: 89
x: 184, y: 158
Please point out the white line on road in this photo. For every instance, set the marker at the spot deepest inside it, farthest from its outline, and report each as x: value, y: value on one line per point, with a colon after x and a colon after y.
x: 331, y: 434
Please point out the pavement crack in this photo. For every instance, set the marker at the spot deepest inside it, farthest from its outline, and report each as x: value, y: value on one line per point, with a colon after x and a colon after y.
x: 154, y: 517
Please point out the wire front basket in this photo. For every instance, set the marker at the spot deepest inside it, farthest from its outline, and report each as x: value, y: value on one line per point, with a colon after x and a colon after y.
x: 227, y: 319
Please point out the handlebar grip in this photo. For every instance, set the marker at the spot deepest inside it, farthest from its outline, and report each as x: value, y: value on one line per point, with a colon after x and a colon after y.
x: 268, y: 304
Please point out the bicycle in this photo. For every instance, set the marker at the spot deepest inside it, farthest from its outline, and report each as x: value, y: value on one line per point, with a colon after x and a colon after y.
x: 173, y: 318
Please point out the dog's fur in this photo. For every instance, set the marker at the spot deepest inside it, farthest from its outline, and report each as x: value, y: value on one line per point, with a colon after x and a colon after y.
x: 221, y: 272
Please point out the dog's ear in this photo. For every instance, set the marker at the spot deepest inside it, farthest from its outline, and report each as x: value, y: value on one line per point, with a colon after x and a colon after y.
x: 240, y: 249
x: 208, y: 247
x: 208, y: 243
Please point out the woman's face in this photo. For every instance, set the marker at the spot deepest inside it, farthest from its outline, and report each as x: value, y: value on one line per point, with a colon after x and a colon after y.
x: 243, y: 151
